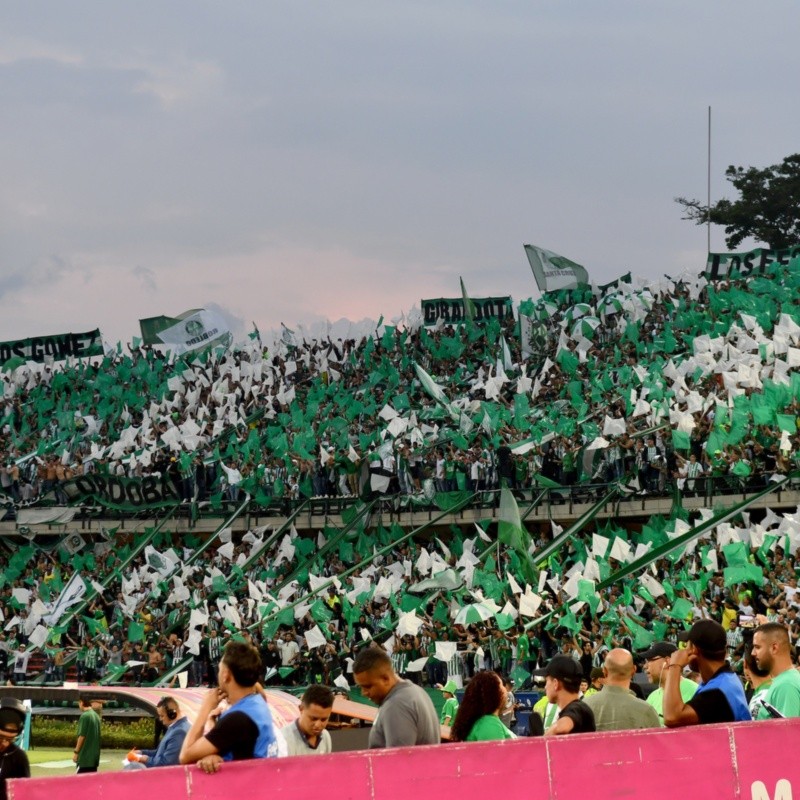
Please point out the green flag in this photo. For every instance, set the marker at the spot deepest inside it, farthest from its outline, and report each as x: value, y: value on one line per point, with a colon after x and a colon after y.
x: 553, y: 272
x: 469, y: 306
x: 520, y: 675
x: 681, y: 609
x: 735, y: 554
x: 135, y: 632
x: 680, y: 440
x: 511, y: 532
x: 642, y: 638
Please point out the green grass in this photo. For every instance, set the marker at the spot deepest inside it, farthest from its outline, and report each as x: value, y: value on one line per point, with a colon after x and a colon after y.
x: 110, y: 761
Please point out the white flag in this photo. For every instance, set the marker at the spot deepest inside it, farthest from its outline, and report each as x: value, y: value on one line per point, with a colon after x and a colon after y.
x: 341, y: 682
x: 445, y: 650
x: 70, y: 595
x: 315, y: 638
x: 195, y: 332
x: 613, y: 426
x: 417, y: 665
x: 529, y: 604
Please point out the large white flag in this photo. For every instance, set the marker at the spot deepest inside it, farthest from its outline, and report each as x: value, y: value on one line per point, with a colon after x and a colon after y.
x: 195, y: 332
x: 553, y: 271
x: 70, y: 595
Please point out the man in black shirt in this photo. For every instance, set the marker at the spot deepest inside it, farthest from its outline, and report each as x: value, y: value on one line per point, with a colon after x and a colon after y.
x: 505, y: 466
x: 562, y: 685
x: 245, y: 730
x: 720, y: 697
x: 13, y: 761
x: 271, y: 660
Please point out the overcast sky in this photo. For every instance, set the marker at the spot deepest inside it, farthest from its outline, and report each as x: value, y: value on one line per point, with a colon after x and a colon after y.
x: 303, y: 160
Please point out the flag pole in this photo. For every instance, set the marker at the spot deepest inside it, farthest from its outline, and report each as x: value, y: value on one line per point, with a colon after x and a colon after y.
x: 708, y: 180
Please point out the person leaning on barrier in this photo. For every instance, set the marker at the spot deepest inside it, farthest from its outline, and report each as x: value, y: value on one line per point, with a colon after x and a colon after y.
x: 245, y: 729
x: 772, y: 651
x: 13, y: 760
x: 720, y: 697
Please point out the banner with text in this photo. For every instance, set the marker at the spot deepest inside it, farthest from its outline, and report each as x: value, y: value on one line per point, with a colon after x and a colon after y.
x: 123, y: 494
x: 450, y: 310
x: 201, y: 329
x: 59, y: 346
x: 754, y: 262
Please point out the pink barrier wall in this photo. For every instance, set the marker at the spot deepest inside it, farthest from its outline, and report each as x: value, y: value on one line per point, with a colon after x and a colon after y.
x: 748, y: 761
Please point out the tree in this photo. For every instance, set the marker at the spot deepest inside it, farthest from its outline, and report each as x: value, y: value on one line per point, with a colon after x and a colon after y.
x: 768, y: 208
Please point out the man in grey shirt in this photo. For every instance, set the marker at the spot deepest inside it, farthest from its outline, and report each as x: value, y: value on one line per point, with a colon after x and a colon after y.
x: 614, y: 707
x: 406, y: 716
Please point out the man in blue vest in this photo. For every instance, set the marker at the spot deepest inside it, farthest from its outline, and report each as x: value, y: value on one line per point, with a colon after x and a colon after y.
x: 245, y: 729
x: 720, y: 696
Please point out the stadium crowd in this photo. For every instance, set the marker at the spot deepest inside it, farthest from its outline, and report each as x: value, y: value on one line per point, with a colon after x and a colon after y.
x: 678, y: 384
x: 688, y: 387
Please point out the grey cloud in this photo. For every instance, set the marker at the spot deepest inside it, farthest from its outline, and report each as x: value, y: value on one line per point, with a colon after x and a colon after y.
x: 426, y: 140
x: 147, y: 278
x: 45, y: 272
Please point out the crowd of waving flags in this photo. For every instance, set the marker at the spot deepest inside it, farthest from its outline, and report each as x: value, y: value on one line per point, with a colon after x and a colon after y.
x: 671, y: 352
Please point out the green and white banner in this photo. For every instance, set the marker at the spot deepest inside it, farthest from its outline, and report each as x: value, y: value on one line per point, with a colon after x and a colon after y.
x: 754, y: 262
x: 59, y: 346
x: 451, y: 309
x: 554, y: 272
x: 124, y: 494
x: 195, y: 332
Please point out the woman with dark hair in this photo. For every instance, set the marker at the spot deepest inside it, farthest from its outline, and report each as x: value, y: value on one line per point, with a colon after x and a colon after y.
x: 478, y: 716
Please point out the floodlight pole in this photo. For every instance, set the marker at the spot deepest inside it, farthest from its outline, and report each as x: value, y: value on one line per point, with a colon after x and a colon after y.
x: 708, y: 203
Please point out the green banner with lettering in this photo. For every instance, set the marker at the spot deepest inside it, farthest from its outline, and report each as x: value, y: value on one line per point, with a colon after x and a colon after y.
x: 721, y: 266
x: 450, y: 310
x: 59, y: 346
x: 123, y: 494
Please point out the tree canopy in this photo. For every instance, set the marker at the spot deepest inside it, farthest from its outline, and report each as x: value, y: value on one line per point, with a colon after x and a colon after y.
x: 768, y: 208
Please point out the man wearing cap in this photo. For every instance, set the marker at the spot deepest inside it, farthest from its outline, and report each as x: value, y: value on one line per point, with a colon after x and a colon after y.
x: 13, y: 760
x: 720, y: 697
x: 450, y: 703
x: 596, y: 680
x: 773, y: 652
x: 562, y: 686
x: 615, y: 708
x: 656, y: 660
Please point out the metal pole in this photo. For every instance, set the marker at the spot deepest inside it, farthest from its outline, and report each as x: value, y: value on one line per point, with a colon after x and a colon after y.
x: 708, y: 205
